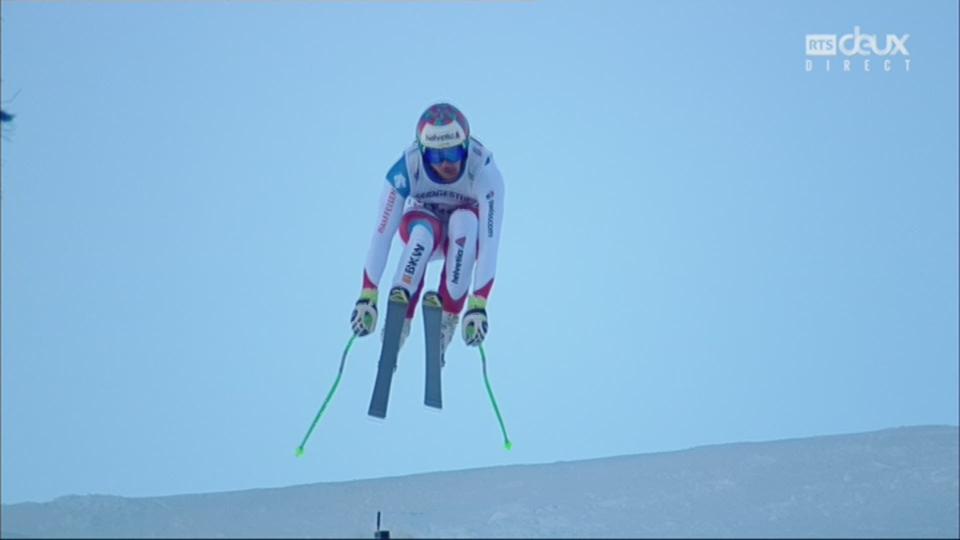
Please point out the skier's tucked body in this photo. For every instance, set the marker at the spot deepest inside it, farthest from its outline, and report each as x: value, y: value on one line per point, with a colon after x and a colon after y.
x: 445, y: 196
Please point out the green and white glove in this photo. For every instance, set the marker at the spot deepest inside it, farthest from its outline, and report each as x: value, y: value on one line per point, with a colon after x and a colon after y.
x: 475, y: 321
x: 363, y: 320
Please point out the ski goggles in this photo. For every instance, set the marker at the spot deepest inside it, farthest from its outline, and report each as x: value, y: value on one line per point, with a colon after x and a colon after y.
x: 436, y: 156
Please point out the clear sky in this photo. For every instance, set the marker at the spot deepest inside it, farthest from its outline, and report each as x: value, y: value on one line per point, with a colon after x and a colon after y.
x: 703, y: 242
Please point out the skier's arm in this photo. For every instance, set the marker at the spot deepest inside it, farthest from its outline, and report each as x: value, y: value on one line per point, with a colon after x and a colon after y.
x: 389, y: 216
x: 490, y: 196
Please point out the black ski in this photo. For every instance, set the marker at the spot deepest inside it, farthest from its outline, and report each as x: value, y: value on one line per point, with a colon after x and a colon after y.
x: 432, y: 314
x: 396, y: 312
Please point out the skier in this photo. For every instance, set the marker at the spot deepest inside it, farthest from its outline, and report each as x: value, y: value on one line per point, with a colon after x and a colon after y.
x: 445, y: 196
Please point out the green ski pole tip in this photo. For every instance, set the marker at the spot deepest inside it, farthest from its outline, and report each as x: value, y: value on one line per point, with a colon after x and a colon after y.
x: 299, y: 451
x: 508, y: 445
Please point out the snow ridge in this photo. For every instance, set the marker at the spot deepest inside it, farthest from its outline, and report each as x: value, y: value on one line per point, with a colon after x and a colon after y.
x: 901, y: 482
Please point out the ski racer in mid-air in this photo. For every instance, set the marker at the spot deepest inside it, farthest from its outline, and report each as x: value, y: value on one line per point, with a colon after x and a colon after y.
x: 445, y: 195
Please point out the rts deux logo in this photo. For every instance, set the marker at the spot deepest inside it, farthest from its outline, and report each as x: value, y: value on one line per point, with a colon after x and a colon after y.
x: 859, y: 51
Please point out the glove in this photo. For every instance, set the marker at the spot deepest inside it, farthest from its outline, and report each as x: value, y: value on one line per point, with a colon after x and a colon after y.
x: 363, y: 320
x: 475, y: 321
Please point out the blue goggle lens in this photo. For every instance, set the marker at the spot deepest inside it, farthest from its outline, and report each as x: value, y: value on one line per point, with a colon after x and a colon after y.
x: 435, y: 156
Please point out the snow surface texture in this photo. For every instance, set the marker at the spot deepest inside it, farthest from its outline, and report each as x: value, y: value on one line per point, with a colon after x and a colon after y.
x: 894, y: 483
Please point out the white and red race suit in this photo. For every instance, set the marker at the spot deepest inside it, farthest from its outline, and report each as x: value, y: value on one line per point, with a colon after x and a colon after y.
x: 457, y: 221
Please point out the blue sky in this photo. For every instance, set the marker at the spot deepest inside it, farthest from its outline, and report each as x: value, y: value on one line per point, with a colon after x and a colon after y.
x: 703, y: 242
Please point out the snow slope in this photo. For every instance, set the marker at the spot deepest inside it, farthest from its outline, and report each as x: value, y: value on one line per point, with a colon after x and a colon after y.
x: 900, y: 482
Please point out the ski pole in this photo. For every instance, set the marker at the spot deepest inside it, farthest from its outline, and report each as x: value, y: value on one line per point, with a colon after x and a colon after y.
x: 506, y: 440
x: 326, y: 401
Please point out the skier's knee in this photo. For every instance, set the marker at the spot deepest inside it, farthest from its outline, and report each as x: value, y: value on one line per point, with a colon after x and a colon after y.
x: 416, y: 222
x: 463, y: 224
x: 464, y: 219
x: 421, y: 231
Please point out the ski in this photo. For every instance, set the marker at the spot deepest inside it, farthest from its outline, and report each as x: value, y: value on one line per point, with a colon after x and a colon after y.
x: 396, y: 312
x: 432, y: 315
